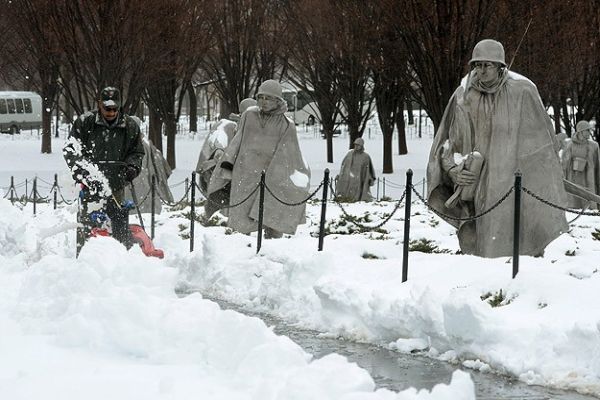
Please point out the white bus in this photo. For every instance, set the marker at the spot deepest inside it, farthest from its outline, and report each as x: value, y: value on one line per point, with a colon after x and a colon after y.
x: 302, y: 108
x: 20, y: 110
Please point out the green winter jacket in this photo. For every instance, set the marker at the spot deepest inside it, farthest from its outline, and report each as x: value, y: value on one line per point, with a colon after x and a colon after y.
x: 121, y: 142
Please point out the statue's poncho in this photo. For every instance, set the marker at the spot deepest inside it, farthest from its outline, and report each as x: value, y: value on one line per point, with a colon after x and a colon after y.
x: 511, y: 129
x: 269, y: 143
x: 218, y: 139
x: 356, y: 176
x: 153, y: 165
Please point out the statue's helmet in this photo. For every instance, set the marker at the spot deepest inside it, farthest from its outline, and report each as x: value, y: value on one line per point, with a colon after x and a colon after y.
x: 583, y: 126
x: 360, y: 142
x: 488, y: 50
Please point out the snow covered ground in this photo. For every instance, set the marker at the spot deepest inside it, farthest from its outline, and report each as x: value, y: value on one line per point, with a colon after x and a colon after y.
x: 109, y: 323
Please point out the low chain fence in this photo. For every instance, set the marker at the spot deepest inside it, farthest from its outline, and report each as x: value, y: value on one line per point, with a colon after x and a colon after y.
x: 261, y: 189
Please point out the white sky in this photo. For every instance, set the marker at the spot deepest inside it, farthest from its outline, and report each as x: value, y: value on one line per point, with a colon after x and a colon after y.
x: 109, y: 324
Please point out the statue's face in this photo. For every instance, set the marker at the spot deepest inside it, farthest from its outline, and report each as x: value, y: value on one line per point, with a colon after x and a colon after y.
x: 486, y: 71
x: 586, y: 134
x: 266, y: 103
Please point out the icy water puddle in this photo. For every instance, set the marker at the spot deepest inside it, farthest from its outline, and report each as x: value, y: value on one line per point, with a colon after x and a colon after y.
x: 397, y: 371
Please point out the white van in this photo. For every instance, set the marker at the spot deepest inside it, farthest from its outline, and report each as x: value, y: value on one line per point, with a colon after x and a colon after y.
x: 20, y: 110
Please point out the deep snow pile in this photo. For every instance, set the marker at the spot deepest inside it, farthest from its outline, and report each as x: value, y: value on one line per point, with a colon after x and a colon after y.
x: 542, y: 327
x: 109, y: 325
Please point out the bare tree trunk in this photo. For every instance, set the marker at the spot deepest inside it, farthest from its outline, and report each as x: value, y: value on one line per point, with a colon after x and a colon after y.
x: 328, y: 129
x: 402, y: 148
x: 46, y: 126
x: 565, y: 115
x: 388, y: 166
x: 409, y: 110
x: 155, y: 129
x: 193, y: 112
x: 556, y: 108
x: 171, y: 131
x: 207, y: 104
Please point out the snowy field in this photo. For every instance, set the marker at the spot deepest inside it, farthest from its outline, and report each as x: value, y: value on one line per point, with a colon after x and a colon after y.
x: 110, y: 323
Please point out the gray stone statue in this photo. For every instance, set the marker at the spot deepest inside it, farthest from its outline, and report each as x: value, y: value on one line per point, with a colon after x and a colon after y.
x: 357, y: 175
x: 581, y: 161
x: 499, y: 115
x: 153, y: 165
x: 213, y: 188
x: 266, y: 140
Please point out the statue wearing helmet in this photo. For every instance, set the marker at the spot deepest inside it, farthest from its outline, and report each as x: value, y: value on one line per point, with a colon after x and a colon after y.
x: 497, y: 117
x: 488, y: 50
x: 581, y: 163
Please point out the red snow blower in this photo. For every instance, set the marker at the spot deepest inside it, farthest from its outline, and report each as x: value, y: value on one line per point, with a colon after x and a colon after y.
x: 95, y: 223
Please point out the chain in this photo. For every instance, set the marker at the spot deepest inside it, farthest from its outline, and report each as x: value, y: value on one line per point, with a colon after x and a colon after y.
x: 177, y: 184
x: 474, y: 217
x: 243, y: 201
x: 171, y: 204
x: 145, y: 197
x: 364, y: 227
x: 43, y: 181
x: 571, y: 210
x: 393, y: 185
x: 298, y: 203
x: 63, y: 198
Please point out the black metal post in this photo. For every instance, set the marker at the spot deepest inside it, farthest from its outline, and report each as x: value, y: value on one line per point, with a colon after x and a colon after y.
x: 55, y: 190
x: 383, y: 187
x: 152, y: 203
x: 409, y: 175
x: 26, y: 189
x: 12, y: 189
x: 517, y: 224
x: 323, y: 209
x: 377, y: 197
x: 261, y: 210
x: 192, y: 211
x: 187, y: 185
x: 34, y: 194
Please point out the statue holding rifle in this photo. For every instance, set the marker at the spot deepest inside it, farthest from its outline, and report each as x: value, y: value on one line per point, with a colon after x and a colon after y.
x: 494, y: 125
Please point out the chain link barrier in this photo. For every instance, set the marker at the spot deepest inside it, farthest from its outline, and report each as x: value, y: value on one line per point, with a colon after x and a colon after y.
x: 567, y: 209
x: 226, y: 206
x: 173, y: 204
x: 67, y: 202
x: 365, y: 227
x: 177, y: 184
x: 297, y: 203
x: 145, y: 197
x: 472, y: 218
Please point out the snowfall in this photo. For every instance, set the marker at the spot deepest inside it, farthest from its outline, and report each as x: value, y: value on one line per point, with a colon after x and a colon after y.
x: 116, y: 324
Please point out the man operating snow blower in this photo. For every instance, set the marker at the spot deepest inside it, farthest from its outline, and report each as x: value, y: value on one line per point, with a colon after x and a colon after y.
x: 104, y: 152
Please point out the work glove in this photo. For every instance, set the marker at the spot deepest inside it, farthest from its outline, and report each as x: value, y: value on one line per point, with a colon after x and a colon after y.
x: 131, y: 171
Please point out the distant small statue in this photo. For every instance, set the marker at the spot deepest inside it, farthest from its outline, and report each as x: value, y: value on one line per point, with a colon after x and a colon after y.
x: 561, y: 143
x: 580, y: 162
x: 356, y: 175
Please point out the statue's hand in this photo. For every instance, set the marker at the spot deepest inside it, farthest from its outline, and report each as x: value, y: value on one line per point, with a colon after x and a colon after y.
x: 461, y: 177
